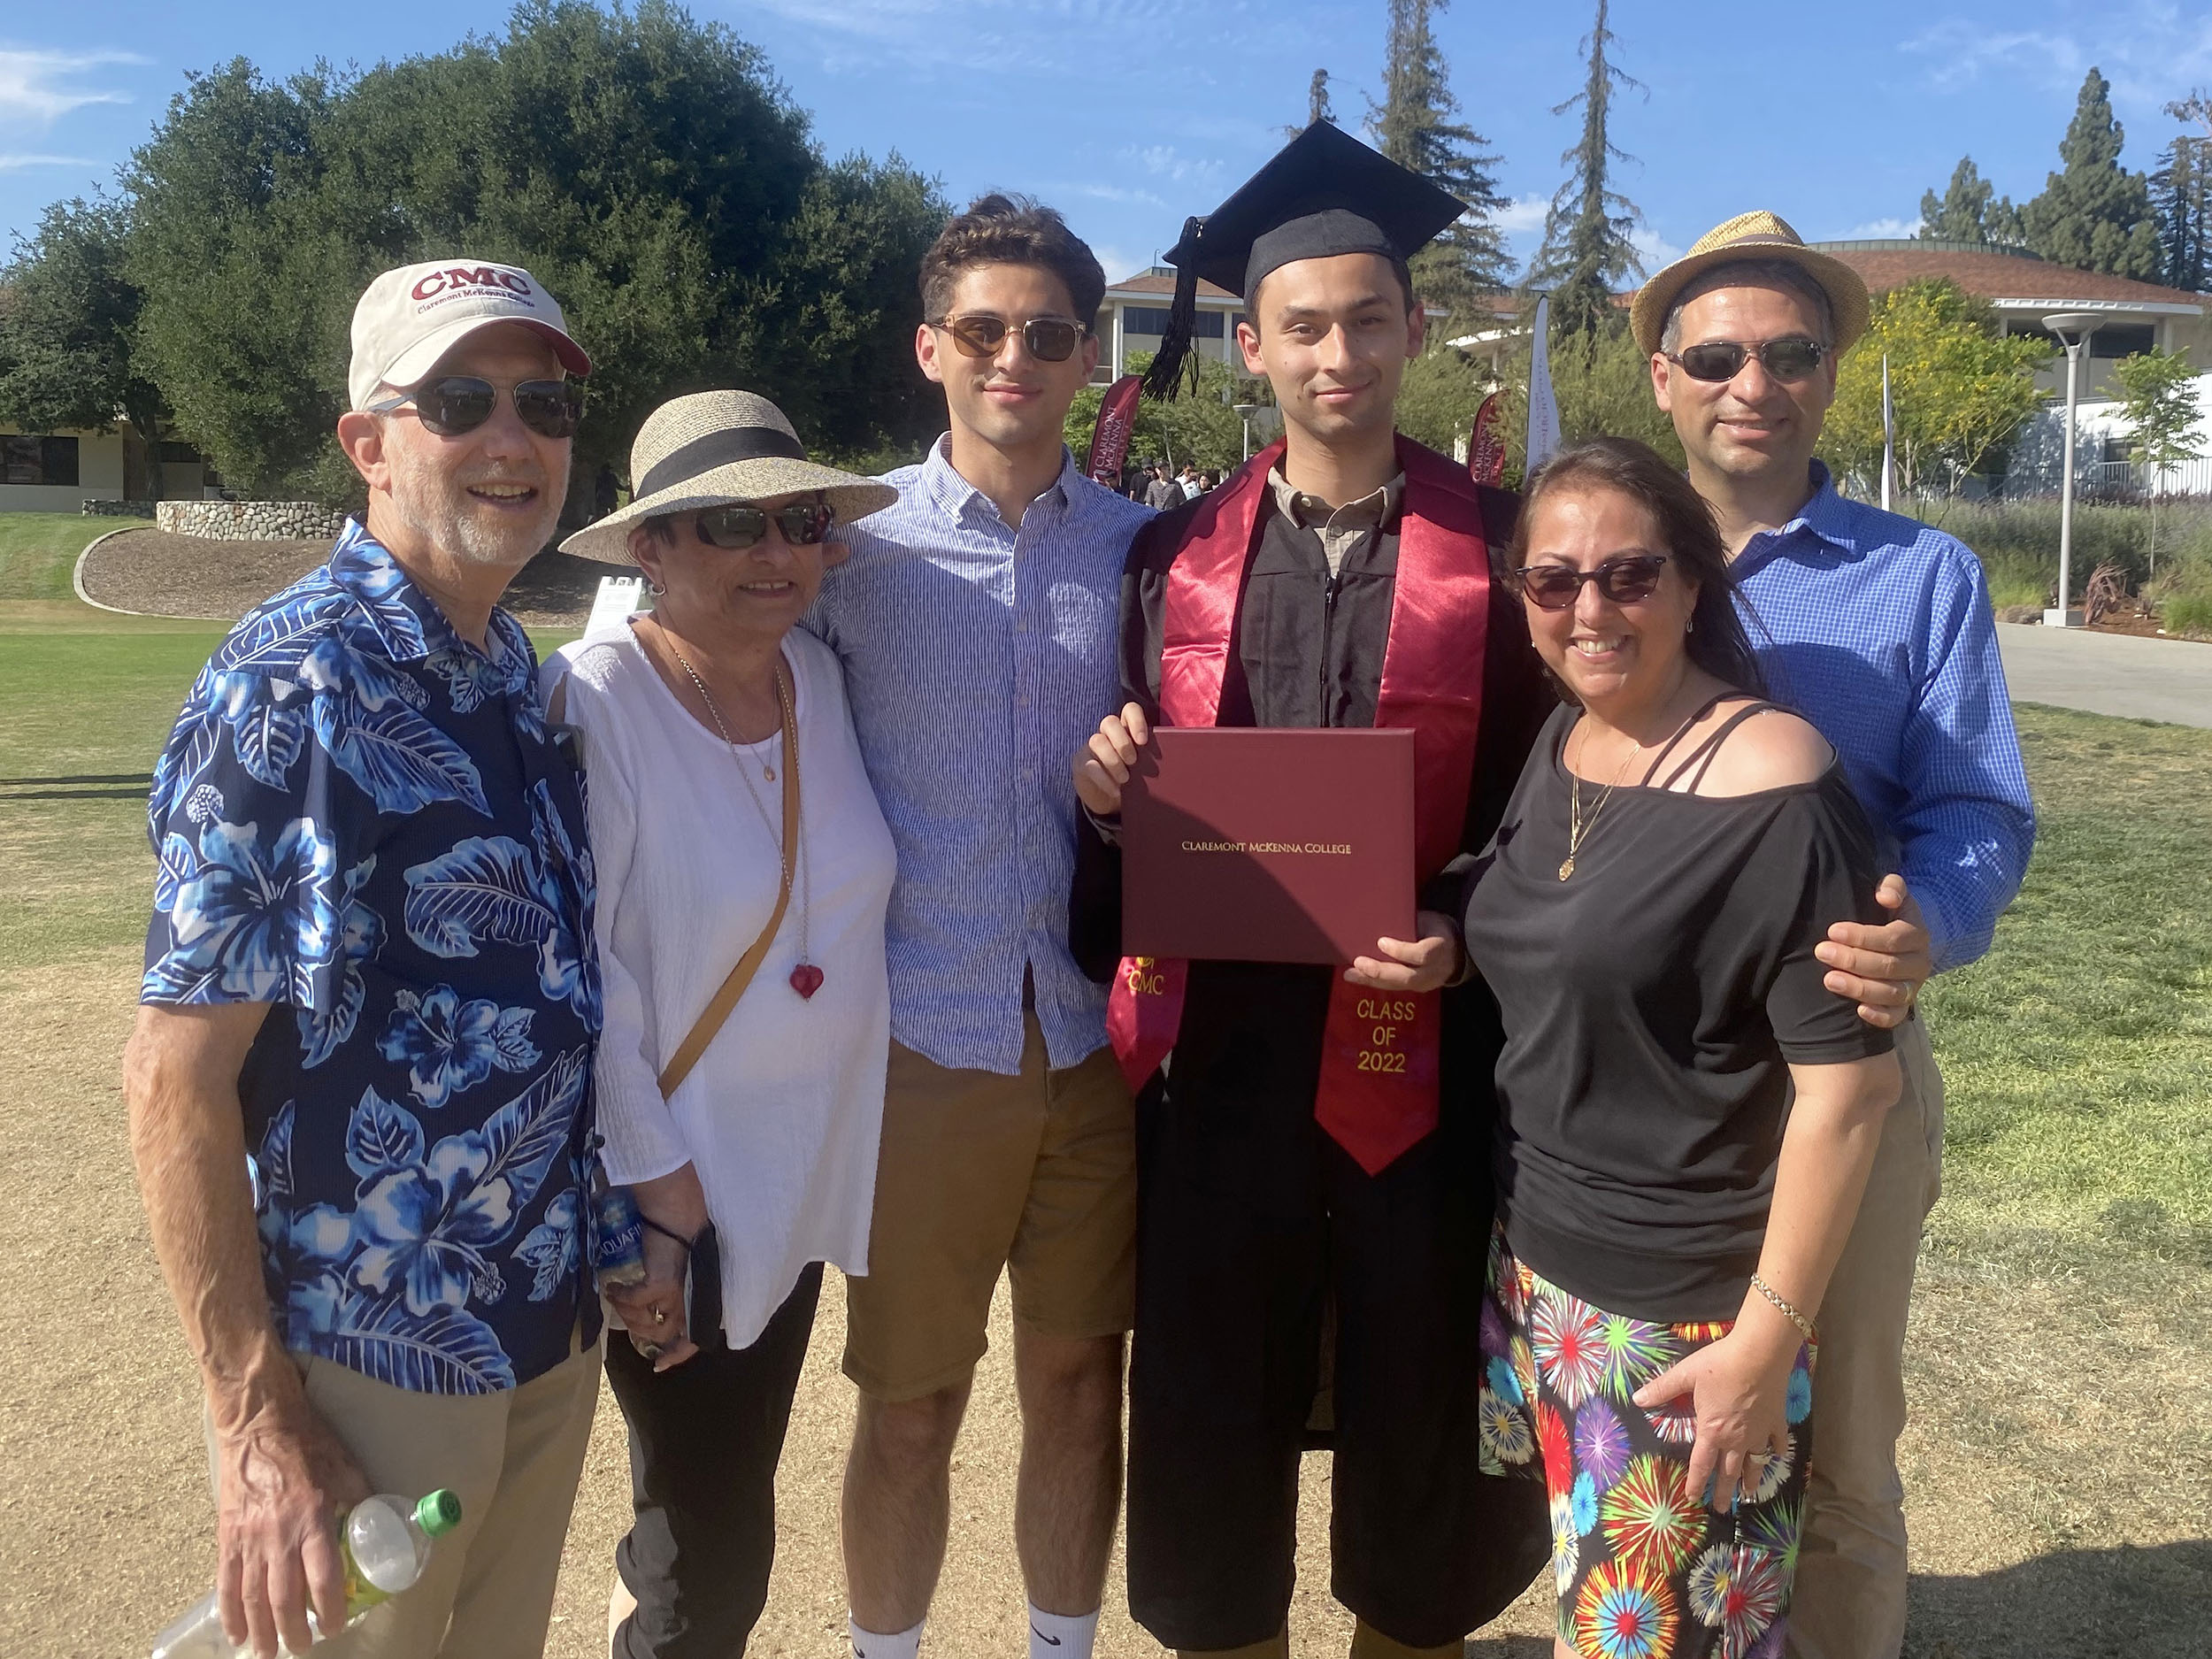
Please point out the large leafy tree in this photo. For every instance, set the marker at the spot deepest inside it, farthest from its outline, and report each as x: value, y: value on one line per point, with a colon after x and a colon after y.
x: 2096, y: 215
x: 649, y: 170
x: 2181, y: 197
x: 68, y: 327
x: 1960, y: 388
x: 1586, y: 251
x: 1970, y: 210
x: 1415, y: 126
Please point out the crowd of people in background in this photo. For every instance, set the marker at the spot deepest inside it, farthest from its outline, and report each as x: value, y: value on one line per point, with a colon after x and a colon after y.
x: 790, y: 907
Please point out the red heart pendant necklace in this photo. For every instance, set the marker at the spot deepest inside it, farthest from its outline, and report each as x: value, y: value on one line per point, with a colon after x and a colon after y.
x: 806, y: 979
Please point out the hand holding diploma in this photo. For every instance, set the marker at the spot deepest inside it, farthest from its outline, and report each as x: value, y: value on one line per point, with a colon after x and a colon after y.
x: 1103, y: 765
x: 1427, y: 963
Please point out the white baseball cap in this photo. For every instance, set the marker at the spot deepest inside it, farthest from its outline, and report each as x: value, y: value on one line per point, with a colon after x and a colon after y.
x: 409, y: 318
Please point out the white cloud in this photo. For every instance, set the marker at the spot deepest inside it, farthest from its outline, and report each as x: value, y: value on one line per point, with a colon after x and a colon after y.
x: 1116, y: 193
x: 1164, y: 161
x: 2152, y: 52
x: 1652, y: 248
x: 17, y: 163
x: 1883, y: 229
x: 34, y: 84
x: 1524, y: 216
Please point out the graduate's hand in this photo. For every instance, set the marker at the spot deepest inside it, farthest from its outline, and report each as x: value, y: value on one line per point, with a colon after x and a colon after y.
x: 1428, y: 964
x: 1101, y: 765
x: 1881, y: 969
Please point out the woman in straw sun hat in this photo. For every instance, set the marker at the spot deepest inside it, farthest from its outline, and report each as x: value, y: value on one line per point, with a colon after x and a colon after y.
x: 744, y: 874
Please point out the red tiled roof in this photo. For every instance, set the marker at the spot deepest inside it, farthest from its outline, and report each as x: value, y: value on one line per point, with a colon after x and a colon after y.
x: 1989, y: 274
x: 1147, y: 283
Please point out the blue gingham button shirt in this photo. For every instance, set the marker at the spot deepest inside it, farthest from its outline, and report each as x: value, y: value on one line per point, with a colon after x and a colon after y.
x: 1878, y: 629
x: 978, y: 658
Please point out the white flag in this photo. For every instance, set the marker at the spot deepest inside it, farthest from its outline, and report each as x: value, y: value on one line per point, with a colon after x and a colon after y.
x: 1543, y: 404
x: 1889, y: 438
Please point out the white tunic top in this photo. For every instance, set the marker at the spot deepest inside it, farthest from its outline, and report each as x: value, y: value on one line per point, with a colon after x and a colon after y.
x: 783, y: 1112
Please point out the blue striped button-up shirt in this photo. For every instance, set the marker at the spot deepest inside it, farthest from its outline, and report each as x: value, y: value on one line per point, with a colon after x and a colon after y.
x: 978, y: 658
x: 1878, y: 629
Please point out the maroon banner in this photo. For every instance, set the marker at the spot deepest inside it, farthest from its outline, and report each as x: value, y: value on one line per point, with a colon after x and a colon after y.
x: 1109, y: 439
x: 1486, y: 450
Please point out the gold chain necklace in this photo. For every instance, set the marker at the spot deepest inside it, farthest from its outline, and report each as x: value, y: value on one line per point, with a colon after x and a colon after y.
x: 1576, y: 828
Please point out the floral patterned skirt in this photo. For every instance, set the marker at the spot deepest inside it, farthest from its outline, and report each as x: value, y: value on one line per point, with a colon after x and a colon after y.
x: 1644, y: 1570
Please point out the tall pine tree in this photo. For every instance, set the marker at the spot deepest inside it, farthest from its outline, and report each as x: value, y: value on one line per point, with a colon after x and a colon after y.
x: 2181, y: 197
x: 1970, y: 210
x: 1586, y: 252
x: 1413, y: 125
x: 2096, y: 215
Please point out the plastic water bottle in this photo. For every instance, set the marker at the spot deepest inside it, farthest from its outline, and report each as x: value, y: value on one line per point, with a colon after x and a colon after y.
x: 385, y: 1543
x: 618, y: 1236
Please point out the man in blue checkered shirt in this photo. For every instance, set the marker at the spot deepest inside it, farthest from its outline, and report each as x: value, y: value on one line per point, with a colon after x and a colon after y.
x: 1878, y: 629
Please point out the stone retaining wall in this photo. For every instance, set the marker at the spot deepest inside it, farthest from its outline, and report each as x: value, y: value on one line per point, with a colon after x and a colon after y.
x: 250, y: 520
x: 118, y: 509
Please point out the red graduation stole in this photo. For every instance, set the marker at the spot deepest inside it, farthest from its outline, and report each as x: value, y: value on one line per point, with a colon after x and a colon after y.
x: 1379, y: 1052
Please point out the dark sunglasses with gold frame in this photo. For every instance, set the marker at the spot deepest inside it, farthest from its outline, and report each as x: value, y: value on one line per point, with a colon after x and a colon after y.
x: 1050, y: 339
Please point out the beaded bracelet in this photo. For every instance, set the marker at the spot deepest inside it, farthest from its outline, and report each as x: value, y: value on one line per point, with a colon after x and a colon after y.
x: 1804, y: 1325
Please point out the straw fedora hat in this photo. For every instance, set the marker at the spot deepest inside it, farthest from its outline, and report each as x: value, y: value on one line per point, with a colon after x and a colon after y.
x: 1758, y: 235
x: 712, y: 448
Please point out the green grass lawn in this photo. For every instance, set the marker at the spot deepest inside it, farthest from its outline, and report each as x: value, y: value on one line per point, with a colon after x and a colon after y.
x: 2078, y: 1053
x: 39, y: 550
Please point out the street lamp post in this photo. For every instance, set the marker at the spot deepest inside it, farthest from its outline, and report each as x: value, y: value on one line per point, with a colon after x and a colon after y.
x: 2073, y: 329
x: 1245, y: 411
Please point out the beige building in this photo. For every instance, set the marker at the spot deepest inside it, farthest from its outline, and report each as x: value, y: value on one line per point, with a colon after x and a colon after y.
x: 59, y: 471
x: 2023, y: 289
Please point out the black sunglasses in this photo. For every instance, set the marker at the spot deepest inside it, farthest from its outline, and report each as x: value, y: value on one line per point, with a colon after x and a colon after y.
x: 1050, y: 339
x: 1626, y: 581
x: 456, y: 404
x: 1724, y: 359
x: 803, y: 524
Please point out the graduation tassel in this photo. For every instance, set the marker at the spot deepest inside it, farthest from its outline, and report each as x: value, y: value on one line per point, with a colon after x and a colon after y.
x: 1160, y: 380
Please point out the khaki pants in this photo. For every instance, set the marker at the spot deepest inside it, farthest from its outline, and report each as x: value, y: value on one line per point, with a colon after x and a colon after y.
x: 1849, y: 1601
x: 515, y: 1457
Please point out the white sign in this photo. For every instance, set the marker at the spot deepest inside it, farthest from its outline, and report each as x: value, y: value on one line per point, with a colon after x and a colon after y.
x: 1543, y: 404
x: 616, y: 599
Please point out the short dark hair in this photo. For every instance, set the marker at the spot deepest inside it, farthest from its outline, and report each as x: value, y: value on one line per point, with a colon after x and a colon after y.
x: 1000, y: 229
x: 1717, y: 642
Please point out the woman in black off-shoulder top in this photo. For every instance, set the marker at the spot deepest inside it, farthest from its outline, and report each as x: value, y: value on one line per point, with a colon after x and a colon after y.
x: 1687, y: 1115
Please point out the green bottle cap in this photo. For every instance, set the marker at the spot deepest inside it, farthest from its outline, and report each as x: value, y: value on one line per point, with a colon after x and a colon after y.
x: 440, y: 1512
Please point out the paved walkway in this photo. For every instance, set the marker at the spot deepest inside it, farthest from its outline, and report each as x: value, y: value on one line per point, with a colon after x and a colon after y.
x: 2108, y: 673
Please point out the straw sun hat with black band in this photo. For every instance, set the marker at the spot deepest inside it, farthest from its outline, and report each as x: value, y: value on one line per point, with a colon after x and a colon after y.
x: 1758, y: 235
x: 713, y: 450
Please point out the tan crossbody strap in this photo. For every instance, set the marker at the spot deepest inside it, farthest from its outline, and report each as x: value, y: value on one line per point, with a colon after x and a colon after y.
x: 710, y: 1018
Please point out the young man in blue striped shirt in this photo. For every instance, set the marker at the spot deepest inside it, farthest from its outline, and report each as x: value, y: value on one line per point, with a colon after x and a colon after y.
x: 1878, y: 629
x: 978, y: 621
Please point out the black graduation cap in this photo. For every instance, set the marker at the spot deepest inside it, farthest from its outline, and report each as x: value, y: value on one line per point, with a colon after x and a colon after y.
x: 1323, y: 194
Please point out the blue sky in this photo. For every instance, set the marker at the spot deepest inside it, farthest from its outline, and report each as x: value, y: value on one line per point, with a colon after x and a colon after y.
x: 1130, y: 114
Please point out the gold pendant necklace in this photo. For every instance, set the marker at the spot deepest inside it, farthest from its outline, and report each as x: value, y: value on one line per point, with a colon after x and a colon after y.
x: 1576, y: 828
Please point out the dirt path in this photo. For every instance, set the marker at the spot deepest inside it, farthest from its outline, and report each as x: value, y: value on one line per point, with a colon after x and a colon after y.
x: 154, y: 574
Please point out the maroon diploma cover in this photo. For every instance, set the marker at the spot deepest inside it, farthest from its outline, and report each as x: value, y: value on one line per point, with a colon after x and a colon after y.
x: 1377, y: 1096
x: 1253, y: 844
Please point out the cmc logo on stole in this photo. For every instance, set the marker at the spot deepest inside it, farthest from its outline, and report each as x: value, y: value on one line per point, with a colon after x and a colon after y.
x: 1143, y: 977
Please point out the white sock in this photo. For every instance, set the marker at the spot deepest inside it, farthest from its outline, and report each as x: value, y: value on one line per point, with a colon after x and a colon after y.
x: 1056, y: 1636
x: 868, y: 1645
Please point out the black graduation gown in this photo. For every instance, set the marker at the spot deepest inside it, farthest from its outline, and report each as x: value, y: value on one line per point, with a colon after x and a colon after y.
x: 1255, y: 1226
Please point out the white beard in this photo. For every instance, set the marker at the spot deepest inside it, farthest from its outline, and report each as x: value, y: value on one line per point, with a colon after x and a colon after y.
x: 442, y: 518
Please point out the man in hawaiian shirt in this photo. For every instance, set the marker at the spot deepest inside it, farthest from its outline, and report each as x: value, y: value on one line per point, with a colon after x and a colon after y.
x: 370, y: 966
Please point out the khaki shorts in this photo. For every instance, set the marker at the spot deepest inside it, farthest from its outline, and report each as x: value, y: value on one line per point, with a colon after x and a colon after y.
x: 1035, y: 1173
